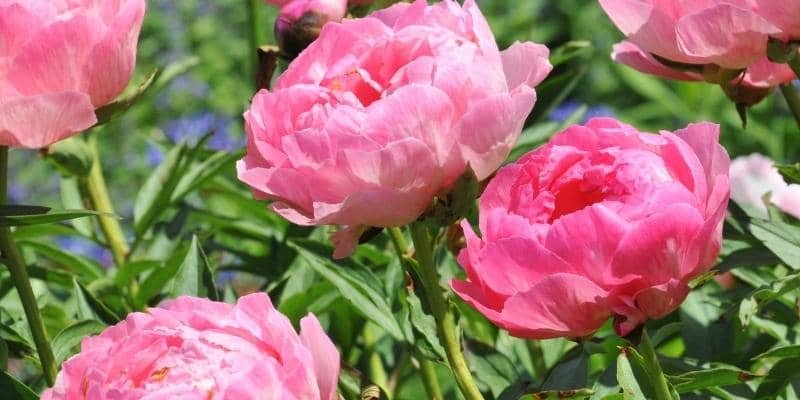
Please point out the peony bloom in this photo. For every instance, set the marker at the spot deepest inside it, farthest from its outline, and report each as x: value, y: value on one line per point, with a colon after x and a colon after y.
x: 383, y: 113
x: 193, y: 348
x: 754, y: 176
x: 59, y: 61
x: 602, y: 221
x: 300, y: 22
x: 784, y: 14
x: 720, y: 41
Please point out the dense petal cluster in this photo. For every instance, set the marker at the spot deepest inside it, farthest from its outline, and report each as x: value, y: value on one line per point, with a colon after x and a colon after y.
x: 602, y: 221
x: 694, y: 40
x: 381, y: 114
x: 754, y: 176
x: 59, y: 61
x: 194, y: 348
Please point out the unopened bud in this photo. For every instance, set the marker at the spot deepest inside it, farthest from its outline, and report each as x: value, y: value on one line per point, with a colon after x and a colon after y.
x: 301, y: 21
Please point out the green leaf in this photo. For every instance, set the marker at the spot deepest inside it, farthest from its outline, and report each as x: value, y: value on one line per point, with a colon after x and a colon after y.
x: 67, y: 260
x: 89, y: 307
x: 154, y: 195
x: 626, y: 378
x: 790, y: 172
x: 71, y: 198
x: 425, y: 325
x: 201, y: 172
x: 194, y: 276
x: 9, y: 216
x: 762, y: 296
x: 356, y: 284
x: 792, y: 351
x: 12, y: 389
x: 70, y: 337
x: 571, y: 50
x: 493, y: 369
x: 571, y: 373
x: 782, y: 238
x: 665, y: 332
x: 780, y: 375
x: 709, y: 378
x: 560, y: 394
x: 16, y: 343
x: 71, y: 156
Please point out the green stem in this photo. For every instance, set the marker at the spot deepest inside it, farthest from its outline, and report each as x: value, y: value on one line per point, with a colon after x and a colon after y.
x: 254, y: 22
x: 430, y: 380
x: 537, y: 358
x: 442, y: 313
x: 653, y: 368
x: 377, y: 371
x: 426, y: 366
x: 792, y: 99
x: 95, y: 186
x: 12, y: 258
x: 794, y: 64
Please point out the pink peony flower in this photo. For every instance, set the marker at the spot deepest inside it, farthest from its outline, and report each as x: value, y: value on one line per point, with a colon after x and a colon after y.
x: 784, y: 14
x: 59, y: 61
x: 602, y: 221
x: 754, y: 176
x: 381, y: 114
x: 193, y: 348
x: 693, y: 40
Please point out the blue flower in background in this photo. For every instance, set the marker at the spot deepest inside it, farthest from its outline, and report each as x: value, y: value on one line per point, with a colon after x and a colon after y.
x: 193, y: 128
x: 567, y: 108
x: 16, y: 193
x: 85, y: 248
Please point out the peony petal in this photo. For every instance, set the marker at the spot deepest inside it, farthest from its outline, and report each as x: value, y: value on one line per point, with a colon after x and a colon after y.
x: 561, y: 305
x: 526, y: 64
x: 491, y: 128
x: 39, y: 121
x: 587, y: 240
x: 326, y: 357
x: 631, y: 55
x: 110, y: 65
x: 726, y: 35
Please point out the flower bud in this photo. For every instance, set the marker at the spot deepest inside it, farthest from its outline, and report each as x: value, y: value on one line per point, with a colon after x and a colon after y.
x: 301, y: 21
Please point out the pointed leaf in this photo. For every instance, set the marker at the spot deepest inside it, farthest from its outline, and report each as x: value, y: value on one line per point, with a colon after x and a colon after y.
x: 194, y: 276
x: 89, y: 307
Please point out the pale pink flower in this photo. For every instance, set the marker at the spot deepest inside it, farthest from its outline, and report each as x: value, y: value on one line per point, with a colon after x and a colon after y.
x: 381, y: 114
x: 602, y: 221
x: 692, y: 40
x: 59, y: 61
x: 753, y: 176
x: 194, y: 348
x: 784, y: 14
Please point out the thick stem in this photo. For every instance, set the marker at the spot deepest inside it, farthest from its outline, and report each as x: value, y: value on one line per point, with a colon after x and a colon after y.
x: 12, y: 258
x: 792, y: 99
x: 653, y: 368
x: 430, y: 380
x: 442, y: 313
x: 95, y: 186
x: 426, y: 366
x: 377, y: 371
